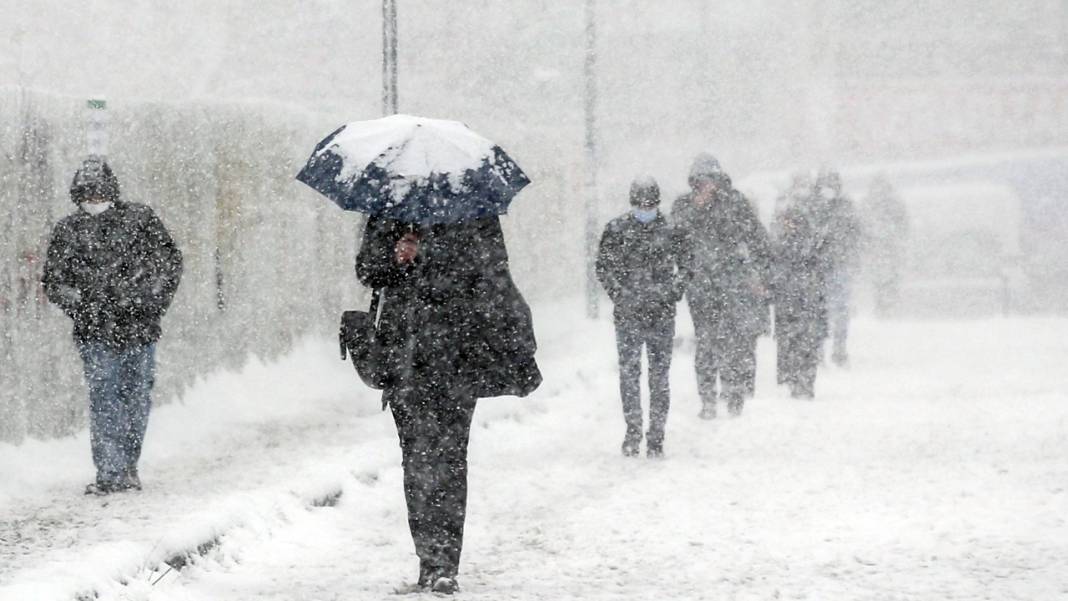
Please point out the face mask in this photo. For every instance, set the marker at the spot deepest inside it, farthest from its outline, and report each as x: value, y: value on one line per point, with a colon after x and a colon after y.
x: 644, y: 215
x: 95, y: 208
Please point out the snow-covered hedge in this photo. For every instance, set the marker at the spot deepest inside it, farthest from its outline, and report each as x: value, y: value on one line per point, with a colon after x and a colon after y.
x: 265, y: 259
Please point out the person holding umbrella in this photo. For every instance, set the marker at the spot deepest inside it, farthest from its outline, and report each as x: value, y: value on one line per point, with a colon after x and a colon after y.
x: 453, y: 325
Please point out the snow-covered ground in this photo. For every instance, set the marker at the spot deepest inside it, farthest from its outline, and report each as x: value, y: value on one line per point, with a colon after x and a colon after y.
x: 934, y: 468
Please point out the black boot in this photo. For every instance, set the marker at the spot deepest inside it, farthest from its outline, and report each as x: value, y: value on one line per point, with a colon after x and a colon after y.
x: 130, y: 480
x: 101, y: 488
x: 631, y: 445
x: 445, y: 585
x: 802, y: 390
x: 708, y: 410
x: 734, y: 406
x: 654, y: 449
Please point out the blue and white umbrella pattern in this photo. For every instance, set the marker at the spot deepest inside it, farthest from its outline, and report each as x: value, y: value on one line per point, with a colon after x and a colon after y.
x: 414, y: 170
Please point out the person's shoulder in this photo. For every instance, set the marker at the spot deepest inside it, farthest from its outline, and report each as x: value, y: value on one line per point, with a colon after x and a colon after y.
x: 70, y: 222
x: 681, y: 207
x: 669, y: 220
x: 74, y: 217
x: 741, y: 201
x: 134, y: 212
x: 682, y: 200
x: 619, y: 223
x: 134, y: 208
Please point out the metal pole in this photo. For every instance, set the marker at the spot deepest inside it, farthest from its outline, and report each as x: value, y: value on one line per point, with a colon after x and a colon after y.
x: 389, y: 57
x: 591, y: 160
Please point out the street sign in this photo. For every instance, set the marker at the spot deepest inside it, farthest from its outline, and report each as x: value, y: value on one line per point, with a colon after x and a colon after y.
x: 97, y: 127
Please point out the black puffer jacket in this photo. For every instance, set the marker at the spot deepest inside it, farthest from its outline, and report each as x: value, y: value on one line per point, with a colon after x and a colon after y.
x: 728, y: 262
x: 454, y: 317
x: 114, y: 274
x: 637, y: 265
x: 802, y: 266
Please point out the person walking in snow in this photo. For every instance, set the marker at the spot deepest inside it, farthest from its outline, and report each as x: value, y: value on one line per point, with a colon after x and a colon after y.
x: 799, y: 289
x: 113, y: 268
x: 842, y: 246
x: 637, y: 263
x: 455, y: 329
x: 886, y: 227
x: 728, y: 262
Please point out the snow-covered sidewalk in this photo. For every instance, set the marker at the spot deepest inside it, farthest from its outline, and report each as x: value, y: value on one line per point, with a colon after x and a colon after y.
x: 933, y: 468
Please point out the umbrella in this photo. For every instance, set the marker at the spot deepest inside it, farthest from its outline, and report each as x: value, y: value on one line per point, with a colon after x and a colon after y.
x: 414, y: 170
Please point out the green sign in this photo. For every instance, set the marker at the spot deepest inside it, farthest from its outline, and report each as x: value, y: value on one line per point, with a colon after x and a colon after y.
x: 97, y: 103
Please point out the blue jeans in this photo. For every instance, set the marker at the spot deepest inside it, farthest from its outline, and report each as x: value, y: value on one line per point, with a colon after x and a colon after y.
x: 120, y: 385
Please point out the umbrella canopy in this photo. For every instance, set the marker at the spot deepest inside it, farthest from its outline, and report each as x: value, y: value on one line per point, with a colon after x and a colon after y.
x: 414, y: 170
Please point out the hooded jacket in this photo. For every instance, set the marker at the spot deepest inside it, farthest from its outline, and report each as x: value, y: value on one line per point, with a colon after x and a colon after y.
x: 114, y: 274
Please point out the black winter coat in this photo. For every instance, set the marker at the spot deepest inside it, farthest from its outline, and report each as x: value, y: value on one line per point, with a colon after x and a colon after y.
x: 453, y: 318
x: 802, y: 267
x: 843, y: 234
x: 114, y: 274
x: 728, y: 261
x: 637, y: 265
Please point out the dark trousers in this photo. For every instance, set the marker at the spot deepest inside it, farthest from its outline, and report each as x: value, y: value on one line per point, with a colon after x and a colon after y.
x: 799, y: 348
x: 656, y: 334
x: 838, y: 303
x: 434, y: 426
x: 727, y: 356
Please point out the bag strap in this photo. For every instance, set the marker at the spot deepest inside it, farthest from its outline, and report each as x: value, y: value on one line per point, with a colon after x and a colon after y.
x: 376, y: 296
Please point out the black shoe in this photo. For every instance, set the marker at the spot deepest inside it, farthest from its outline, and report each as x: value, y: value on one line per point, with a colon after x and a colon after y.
x: 445, y: 585
x: 654, y: 450
x: 130, y: 480
x: 101, y: 488
x: 802, y: 392
x: 708, y: 410
x: 734, y: 408
x: 632, y: 442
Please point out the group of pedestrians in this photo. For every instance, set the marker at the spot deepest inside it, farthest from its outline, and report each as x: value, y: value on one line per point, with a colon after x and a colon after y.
x: 713, y: 250
x: 454, y: 328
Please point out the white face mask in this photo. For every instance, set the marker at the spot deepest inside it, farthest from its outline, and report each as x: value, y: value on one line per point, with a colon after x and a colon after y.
x: 644, y: 215
x: 95, y: 208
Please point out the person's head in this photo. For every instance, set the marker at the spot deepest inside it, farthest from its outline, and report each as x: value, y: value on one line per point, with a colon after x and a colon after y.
x: 828, y: 184
x: 645, y: 193
x: 707, y: 177
x: 644, y: 198
x: 881, y: 186
x: 94, y: 185
x: 801, y: 182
